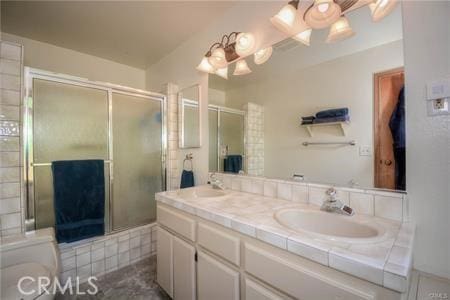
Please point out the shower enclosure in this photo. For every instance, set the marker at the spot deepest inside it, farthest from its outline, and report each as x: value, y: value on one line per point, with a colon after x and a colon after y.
x: 226, y: 135
x: 68, y: 118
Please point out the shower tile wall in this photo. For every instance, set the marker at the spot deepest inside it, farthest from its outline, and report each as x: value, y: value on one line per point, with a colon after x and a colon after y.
x: 173, y: 169
x: 254, y: 139
x: 11, y: 63
x: 102, y: 255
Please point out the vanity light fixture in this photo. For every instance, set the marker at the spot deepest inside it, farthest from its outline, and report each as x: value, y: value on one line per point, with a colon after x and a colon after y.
x: 241, y: 68
x: 327, y: 13
x: 303, y: 37
x: 322, y: 14
x: 340, y: 30
x: 284, y: 20
x: 245, y: 44
x: 223, y: 72
x: 262, y: 55
x: 381, y: 8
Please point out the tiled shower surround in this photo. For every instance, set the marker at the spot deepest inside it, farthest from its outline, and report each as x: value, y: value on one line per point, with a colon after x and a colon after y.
x: 101, y: 255
x: 383, y: 204
x: 254, y: 139
x: 10, y: 138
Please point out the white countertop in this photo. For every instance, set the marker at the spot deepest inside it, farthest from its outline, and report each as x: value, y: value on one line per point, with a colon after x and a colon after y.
x: 386, y: 262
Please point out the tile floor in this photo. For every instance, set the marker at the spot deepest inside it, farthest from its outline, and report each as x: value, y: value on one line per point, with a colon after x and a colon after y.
x: 137, y: 281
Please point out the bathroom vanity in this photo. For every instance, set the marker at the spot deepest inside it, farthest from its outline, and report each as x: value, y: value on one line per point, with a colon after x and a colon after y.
x: 228, y: 244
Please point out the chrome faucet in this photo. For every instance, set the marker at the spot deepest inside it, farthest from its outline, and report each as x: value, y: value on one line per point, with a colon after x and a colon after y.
x: 333, y: 204
x: 216, y: 183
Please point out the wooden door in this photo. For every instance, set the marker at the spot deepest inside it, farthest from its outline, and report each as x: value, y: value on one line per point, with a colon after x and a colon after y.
x: 387, y: 88
x: 216, y: 280
x: 164, y: 263
x: 183, y: 270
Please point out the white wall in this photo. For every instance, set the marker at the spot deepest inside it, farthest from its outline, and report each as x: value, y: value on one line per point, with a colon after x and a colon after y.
x: 62, y: 60
x: 427, y: 52
x: 343, y: 82
x: 426, y: 56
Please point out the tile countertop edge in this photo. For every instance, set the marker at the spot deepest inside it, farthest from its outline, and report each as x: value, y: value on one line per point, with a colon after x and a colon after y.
x: 394, y: 274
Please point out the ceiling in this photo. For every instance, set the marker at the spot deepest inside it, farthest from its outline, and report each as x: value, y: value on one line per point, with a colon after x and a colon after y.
x: 135, y: 33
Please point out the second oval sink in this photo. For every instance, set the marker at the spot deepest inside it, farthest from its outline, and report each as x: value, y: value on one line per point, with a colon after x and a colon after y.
x: 329, y: 225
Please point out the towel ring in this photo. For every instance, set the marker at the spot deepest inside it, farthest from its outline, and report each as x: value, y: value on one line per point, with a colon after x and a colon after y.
x: 188, y: 158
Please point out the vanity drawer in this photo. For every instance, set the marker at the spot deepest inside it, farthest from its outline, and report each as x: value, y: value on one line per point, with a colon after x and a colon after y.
x: 296, y: 280
x: 177, y: 222
x: 219, y: 242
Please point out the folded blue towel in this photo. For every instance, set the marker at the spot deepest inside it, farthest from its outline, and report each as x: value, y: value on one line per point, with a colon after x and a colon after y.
x: 331, y: 113
x: 187, y: 179
x: 79, y: 199
x: 345, y: 118
x: 233, y: 163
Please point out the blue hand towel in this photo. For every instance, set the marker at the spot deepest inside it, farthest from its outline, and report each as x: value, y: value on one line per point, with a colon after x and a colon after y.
x: 233, y: 163
x: 79, y: 199
x: 187, y: 179
x: 332, y: 113
x: 332, y: 119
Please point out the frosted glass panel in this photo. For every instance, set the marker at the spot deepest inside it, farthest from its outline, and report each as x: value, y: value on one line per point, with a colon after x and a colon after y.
x: 137, y: 159
x: 231, y: 135
x: 70, y: 122
x: 213, y: 135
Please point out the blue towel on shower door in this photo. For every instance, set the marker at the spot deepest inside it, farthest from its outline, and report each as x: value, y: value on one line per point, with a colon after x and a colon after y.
x: 233, y: 163
x: 79, y: 199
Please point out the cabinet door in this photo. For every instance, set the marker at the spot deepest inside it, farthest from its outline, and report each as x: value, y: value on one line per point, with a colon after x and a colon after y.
x: 183, y: 270
x: 164, y: 263
x: 216, y: 280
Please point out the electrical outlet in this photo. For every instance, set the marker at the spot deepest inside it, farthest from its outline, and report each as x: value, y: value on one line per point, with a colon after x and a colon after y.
x: 438, y: 107
x: 365, y: 151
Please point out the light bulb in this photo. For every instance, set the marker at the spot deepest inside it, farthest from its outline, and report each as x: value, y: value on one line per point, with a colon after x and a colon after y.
x: 284, y: 20
x: 322, y: 14
x: 222, y: 72
x: 245, y: 44
x: 263, y: 55
x: 205, y: 66
x: 340, y: 30
x: 381, y: 8
x: 241, y: 68
x: 217, y: 58
x: 303, y: 37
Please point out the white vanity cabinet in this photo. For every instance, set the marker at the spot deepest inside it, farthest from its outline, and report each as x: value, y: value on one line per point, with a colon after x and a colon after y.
x: 176, y: 266
x: 199, y: 259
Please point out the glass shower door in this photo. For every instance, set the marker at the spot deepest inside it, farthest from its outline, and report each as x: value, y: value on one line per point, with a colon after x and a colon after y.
x: 69, y: 122
x: 137, y: 167
x: 231, y: 134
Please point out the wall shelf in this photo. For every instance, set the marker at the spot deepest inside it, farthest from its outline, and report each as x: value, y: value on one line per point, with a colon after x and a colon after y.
x: 342, y: 126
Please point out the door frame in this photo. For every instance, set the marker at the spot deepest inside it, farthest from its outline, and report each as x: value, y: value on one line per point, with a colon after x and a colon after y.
x: 27, y: 189
x: 376, y: 123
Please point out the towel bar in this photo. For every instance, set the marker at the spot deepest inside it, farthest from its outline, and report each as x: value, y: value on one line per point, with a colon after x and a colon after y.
x: 349, y: 143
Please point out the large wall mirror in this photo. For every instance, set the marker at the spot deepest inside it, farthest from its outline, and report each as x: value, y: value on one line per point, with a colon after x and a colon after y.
x: 189, y: 117
x: 329, y: 112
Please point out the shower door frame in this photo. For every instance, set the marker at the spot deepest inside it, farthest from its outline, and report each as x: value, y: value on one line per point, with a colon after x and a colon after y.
x: 220, y: 109
x: 28, y: 135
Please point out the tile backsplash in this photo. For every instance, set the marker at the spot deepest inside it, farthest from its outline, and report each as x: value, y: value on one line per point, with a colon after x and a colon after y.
x: 383, y: 204
x: 10, y: 122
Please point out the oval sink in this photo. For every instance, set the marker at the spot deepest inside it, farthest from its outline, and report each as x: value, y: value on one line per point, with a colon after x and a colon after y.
x: 201, y: 192
x: 329, y: 225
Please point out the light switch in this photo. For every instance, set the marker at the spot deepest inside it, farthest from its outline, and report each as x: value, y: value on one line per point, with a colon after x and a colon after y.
x: 438, y: 89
